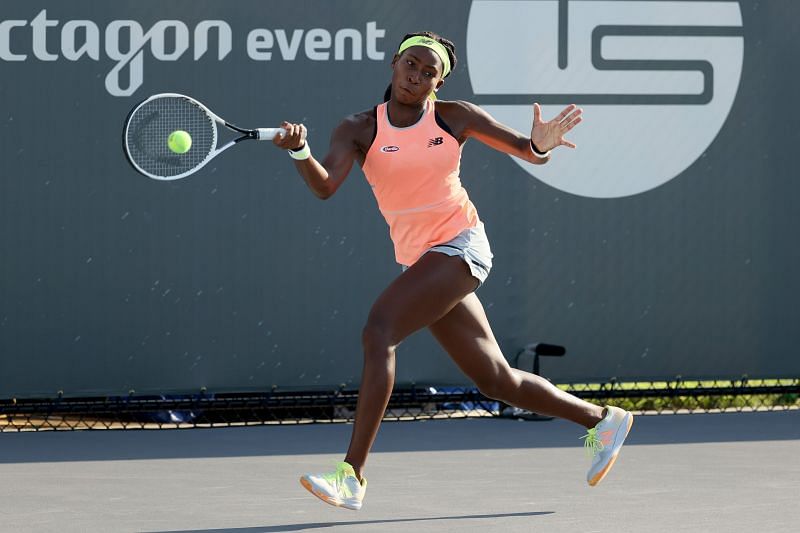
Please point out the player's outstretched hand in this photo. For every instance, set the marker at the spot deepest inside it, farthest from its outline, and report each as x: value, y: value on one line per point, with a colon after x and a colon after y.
x: 294, y: 139
x: 549, y: 135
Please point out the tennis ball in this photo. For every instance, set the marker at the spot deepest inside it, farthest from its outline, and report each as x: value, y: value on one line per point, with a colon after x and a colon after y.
x: 179, y: 141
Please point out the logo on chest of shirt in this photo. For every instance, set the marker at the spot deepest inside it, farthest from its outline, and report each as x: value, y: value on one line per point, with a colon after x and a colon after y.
x: 389, y: 149
x: 436, y: 141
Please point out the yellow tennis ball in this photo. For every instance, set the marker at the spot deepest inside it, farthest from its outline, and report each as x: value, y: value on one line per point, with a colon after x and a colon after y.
x: 179, y: 141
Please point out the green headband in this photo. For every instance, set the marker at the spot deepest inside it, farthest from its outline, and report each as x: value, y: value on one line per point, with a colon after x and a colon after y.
x: 427, y: 42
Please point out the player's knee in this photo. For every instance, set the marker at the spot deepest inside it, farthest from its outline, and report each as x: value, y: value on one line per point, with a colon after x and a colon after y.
x: 489, y: 388
x: 376, y: 337
x: 497, y: 384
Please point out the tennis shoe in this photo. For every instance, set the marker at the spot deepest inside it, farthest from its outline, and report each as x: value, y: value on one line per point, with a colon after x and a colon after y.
x: 604, y: 441
x: 340, y: 488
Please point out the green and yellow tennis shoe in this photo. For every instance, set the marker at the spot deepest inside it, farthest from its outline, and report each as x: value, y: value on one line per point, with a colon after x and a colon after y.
x: 340, y: 488
x: 604, y: 441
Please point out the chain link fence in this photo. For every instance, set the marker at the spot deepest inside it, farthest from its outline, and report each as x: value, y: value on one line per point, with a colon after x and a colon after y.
x: 413, y: 403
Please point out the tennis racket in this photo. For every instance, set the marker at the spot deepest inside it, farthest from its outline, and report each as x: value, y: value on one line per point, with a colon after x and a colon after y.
x: 150, y: 123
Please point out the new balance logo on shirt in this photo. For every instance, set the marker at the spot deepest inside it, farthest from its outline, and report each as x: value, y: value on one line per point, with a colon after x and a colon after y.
x: 436, y: 141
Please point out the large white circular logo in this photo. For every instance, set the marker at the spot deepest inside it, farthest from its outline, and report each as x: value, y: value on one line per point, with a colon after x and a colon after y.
x: 656, y: 80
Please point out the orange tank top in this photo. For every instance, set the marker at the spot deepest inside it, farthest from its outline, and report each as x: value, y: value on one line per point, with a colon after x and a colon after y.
x: 414, y: 174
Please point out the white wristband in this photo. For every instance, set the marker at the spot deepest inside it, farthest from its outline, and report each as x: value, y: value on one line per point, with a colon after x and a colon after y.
x: 302, y: 153
x: 539, y: 154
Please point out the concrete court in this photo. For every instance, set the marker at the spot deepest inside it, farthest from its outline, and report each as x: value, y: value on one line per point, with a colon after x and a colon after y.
x: 704, y: 472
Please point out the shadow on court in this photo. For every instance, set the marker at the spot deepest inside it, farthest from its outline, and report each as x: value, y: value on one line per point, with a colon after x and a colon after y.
x: 432, y: 435
x: 320, y: 525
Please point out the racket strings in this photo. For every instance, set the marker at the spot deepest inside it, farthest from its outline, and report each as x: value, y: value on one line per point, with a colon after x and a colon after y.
x: 150, y: 126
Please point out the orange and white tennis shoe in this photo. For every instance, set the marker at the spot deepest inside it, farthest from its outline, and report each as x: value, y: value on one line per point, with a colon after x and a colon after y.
x: 340, y: 488
x: 604, y: 441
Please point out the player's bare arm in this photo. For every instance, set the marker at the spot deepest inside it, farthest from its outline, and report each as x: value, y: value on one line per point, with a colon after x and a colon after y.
x: 346, y: 146
x: 470, y: 121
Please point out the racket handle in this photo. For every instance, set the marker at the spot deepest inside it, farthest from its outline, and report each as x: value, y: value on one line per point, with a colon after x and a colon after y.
x: 267, y: 134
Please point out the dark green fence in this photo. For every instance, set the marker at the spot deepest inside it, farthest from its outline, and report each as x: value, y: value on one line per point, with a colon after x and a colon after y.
x: 296, y: 407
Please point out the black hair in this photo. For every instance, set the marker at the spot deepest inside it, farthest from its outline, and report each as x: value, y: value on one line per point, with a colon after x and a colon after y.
x: 448, y: 44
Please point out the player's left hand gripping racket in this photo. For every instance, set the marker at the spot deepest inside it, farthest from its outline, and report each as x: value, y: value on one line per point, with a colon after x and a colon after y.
x: 151, y: 122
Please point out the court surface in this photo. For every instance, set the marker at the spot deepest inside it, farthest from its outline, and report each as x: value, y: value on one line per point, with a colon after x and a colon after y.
x: 702, y: 472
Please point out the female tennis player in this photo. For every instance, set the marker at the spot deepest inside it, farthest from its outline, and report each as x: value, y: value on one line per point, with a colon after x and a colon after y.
x: 409, y: 148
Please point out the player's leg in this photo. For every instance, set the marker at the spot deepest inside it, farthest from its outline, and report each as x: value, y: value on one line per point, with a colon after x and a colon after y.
x: 466, y: 335
x: 420, y: 296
